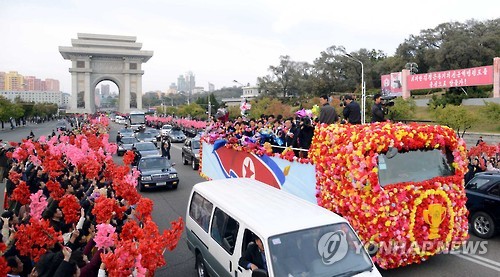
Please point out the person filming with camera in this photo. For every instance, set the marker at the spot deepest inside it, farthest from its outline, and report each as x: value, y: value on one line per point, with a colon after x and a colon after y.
x: 352, y: 111
x: 378, y: 114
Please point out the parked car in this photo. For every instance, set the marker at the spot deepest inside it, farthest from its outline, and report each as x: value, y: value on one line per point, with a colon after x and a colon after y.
x: 125, y: 144
x: 145, y: 149
x: 177, y: 135
x: 483, y: 203
x: 157, y: 171
x: 126, y: 132
x: 191, y: 152
x: 165, y: 129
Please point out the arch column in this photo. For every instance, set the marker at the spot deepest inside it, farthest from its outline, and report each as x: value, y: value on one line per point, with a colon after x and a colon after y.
x: 74, y: 88
x: 138, y: 92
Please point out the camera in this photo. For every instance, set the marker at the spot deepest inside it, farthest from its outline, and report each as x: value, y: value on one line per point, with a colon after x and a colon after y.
x: 387, y: 101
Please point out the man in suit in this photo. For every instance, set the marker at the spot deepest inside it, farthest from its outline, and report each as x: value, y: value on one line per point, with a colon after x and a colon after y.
x: 254, y: 256
x: 327, y: 113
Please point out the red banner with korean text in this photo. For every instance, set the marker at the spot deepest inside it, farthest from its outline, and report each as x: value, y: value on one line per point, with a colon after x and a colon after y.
x: 476, y: 76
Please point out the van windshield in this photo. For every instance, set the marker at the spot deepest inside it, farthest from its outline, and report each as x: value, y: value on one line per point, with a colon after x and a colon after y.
x: 414, y: 166
x: 322, y: 251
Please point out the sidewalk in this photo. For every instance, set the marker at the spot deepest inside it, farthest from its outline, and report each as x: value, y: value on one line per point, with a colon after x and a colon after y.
x: 7, y: 127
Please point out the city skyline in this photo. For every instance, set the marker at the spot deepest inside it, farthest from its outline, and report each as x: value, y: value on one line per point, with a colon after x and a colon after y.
x: 218, y: 40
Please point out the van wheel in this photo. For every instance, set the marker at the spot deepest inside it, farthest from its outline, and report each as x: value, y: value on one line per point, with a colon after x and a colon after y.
x: 200, y: 266
x: 483, y: 225
x: 194, y: 164
x: 184, y: 161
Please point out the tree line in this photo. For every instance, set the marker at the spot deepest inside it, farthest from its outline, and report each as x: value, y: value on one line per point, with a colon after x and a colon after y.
x: 448, y: 46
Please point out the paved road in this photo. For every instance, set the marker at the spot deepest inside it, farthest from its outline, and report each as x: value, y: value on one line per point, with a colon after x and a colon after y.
x: 171, y: 204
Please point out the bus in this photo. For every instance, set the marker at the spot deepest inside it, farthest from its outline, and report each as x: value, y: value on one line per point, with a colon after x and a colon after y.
x: 401, y: 187
x: 137, y: 120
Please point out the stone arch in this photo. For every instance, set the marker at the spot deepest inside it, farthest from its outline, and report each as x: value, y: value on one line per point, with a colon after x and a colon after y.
x: 96, y: 58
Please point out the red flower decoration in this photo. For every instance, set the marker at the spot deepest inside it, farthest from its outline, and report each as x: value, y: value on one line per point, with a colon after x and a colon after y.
x: 144, y: 208
x: 131, y: 231
x: 55, y: 189
x: 21, y: 193
x: 128, y: 158
x: 35, y: 238
x: 14, y: 177
x: 103, y: 209
x: 70, y: 207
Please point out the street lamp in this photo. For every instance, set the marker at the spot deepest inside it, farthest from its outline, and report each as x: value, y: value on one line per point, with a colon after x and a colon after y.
x: 238, y: 83
x: 363, y: 87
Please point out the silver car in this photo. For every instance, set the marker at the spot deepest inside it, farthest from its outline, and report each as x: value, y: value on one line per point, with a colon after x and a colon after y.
x: 145, y: 137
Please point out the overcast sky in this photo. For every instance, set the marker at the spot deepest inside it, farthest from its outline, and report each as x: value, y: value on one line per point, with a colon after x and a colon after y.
x: 218, y: 40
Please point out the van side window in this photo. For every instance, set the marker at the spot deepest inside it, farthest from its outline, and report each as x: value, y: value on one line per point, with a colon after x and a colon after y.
x: 224, y: 230
x: 200, y: 210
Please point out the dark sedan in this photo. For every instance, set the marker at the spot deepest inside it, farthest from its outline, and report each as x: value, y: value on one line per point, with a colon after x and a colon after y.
x: 125, y: 144
x: 144, y: 149
x: 157, y: 172
x: 177, y: 135
x: 191, y: 152
x: 483, y: 202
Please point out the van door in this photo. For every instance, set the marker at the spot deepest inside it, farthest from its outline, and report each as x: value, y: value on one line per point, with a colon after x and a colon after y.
x: 244, y: 240
x: 224, y: 234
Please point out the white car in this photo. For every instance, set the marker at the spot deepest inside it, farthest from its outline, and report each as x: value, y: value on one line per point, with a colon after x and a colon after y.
x: 165, y: 129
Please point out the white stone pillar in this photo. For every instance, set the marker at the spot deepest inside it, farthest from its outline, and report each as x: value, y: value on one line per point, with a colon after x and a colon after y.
x: 139, y: 91
x: 405, y: 74
x: 126, y: 93
x: 74, y: 92
x: 88, y: 108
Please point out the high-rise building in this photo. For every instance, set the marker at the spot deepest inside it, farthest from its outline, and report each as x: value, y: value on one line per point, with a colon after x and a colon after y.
x: 190, y: 81
x: 29, y: 82
x: 2, y: 80
x: 105, y: 90
x: 51, y: 85
x: 181, y: 84
x: 172, y: 89
x: 211, y: 87
x: 13, y: 81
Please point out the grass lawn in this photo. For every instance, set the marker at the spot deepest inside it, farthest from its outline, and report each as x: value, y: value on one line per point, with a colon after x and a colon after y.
x: 483, y: 124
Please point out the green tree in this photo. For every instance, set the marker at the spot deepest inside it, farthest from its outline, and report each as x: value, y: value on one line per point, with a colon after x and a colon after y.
x: 402, y: 109
x: 491, y: 111
x: 455, y: 117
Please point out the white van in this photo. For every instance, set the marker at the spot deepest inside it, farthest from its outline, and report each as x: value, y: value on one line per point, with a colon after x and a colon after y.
x: 298, y: 237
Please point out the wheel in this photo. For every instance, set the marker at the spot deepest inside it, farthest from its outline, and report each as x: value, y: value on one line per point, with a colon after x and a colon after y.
x: 184, y: 161
x: 175, y: 186
x: 483, y: 225
x: 200, y: 266
x: 194, y: 165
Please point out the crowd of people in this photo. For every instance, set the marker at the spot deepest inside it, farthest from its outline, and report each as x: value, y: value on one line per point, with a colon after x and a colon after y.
x: 70, y: 211
x: 482, y: 157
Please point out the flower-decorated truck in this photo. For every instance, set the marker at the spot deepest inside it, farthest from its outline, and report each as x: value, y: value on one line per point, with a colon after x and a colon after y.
x: 400, y: 186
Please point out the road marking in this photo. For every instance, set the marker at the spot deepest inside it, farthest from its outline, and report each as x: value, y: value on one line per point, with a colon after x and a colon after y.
x: 479, y: 260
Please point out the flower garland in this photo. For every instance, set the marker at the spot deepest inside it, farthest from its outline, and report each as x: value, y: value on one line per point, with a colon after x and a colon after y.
x: 345, y: 157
